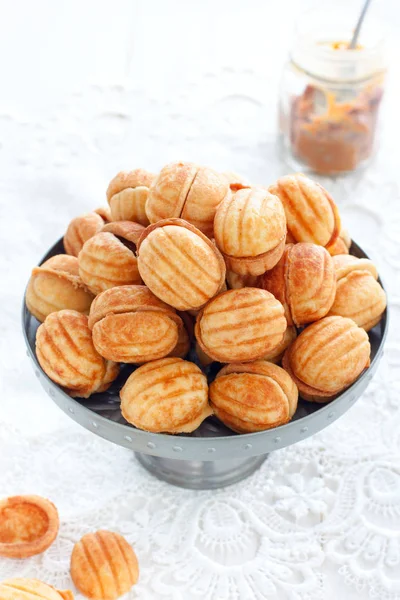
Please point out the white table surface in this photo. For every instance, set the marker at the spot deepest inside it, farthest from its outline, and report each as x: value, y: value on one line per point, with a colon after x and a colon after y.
x: 89, y: 88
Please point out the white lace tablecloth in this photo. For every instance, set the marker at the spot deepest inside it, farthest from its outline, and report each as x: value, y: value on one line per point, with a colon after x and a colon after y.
x: 97, y: 87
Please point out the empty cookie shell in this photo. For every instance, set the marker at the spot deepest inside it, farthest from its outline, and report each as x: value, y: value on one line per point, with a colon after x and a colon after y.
x: 28, y: 526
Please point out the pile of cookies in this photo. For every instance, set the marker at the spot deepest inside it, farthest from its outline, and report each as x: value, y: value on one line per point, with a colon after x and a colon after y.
x: 195, y: 260
x: 103, y: 565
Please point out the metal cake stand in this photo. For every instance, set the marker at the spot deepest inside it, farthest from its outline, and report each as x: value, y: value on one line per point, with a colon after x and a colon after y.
x: 212, y: 456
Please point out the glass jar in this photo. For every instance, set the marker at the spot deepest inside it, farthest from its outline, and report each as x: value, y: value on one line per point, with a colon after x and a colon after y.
x: 330, y: 96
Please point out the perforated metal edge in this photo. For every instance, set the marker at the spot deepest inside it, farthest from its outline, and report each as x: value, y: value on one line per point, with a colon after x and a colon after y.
x: 207, y: 448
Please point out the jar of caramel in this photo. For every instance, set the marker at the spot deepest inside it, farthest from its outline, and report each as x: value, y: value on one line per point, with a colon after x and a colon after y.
x: 330, y: 96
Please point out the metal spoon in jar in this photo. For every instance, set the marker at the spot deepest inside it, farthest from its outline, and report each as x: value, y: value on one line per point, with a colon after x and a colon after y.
x: 360, y: 21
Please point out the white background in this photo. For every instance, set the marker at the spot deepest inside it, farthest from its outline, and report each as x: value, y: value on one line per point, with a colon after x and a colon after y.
x: 88, y: 88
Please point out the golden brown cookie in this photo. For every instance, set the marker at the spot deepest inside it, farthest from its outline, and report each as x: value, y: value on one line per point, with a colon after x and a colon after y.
x: 275, y: 355
x: 127, y: 195
x: 168, y: 395
x: 250, y: 230
x: 56, y: 285
x: 28, y: 526
x: 240, y: 325
x: 108, y: 260
x: 29, y: 589
x: 103, y: 565
x: 82, y: 228
x: 180, y: 264
x: 188, y: 191
x: 303, y: 281
x: 359, y: 296
x: 131, y: 325
x: 253, y: 397
x: 327, y: 357
x: 311, y: 213
x: 65, y: 351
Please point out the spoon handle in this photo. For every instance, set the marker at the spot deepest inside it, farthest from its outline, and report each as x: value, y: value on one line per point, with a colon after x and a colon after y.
x: 356, y: 33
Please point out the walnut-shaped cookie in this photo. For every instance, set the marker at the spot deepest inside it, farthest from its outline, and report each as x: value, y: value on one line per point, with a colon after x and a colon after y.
x: 311, y: 213
x: 275, y: 355
x: 303, y: 281
x: 56, y: 285
x: 327, y: 357
x: 104, y: 566
x: 169, y: 395
x: 359, y: 296
x: 127, y: 195
x: 28, y: 526
x: 250, y: 230
x: 83, y: 228
x: 187, y: 191
x: 109, y: 258
x: 180, y: 264
x: 66, y: 353
x: 240, y: 325
x: 253, y: 396
x: 21, y: 588
x: 131, y: 325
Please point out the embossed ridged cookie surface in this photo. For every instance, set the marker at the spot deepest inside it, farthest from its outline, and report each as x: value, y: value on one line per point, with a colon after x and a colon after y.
x: 81, y: 229
x: 66, y: 353
x: 304, y: 281
x: 327, y: 357
x: 359, y: 296
x: 31, y: 589
x: 168, y: 395
x: 130, y: 324
x: 179, y: 264
x: 127, y: 195
x: 240, y: 325
x: 253, y: 396
x: 105, y: 262
x: 56, y: 285
x: 311, y: 213
x: 250, y: 230
x: 104, y: 566
x: 188, y: 191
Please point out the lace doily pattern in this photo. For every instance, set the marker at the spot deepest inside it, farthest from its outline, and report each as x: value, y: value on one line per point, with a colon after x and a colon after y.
x: 319, y: 516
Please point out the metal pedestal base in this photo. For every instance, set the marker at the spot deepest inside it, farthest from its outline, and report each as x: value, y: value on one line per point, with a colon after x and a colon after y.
x: 199, y: 475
